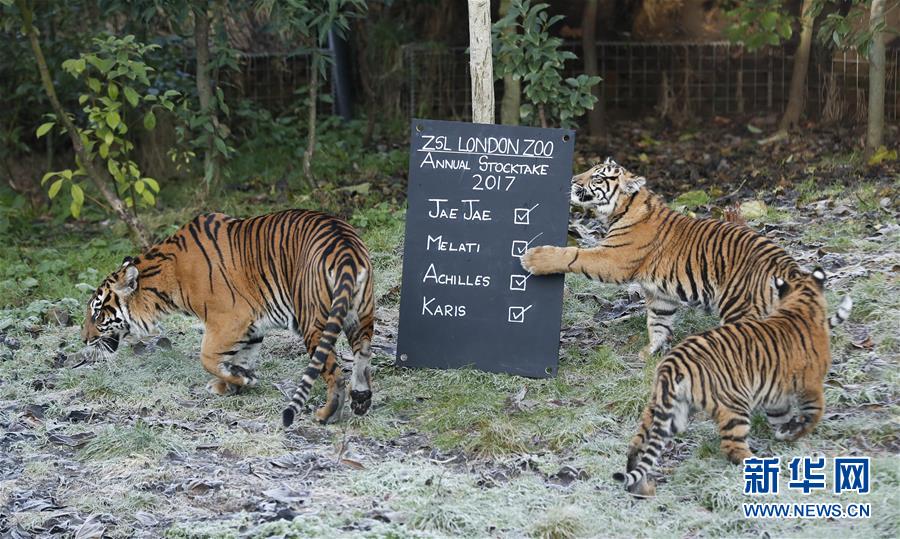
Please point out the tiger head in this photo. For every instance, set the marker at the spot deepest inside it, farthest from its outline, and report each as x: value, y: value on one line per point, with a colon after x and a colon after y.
x: 599, y: 188
x: 108, y: 317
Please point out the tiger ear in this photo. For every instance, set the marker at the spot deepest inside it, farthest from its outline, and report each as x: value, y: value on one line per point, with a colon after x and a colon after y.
x: 609, y: 161
x: 633, y: 185
x: 128, y: 283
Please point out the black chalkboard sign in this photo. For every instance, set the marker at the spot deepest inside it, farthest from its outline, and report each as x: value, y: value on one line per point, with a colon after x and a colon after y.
x: 479, y: 196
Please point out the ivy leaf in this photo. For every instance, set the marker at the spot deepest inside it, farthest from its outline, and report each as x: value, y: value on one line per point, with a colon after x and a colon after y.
x: 149, y: 120
x: 54, y: 189
x: 44, y: 129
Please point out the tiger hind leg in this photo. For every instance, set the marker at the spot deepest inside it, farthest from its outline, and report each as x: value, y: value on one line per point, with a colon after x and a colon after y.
x: 812, y: 405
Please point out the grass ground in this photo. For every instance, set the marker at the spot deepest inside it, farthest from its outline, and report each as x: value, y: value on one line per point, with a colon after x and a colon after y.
x: 135, y: 447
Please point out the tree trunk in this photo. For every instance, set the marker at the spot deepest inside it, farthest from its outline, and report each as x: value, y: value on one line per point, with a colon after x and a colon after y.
x: 794, y: 107
x: 875, y: 129
x: 481, y: 61
x: 542, y: 115
x: 589, y: 46
x: 205, y: 92
x: 512, y: 88
x: 311, y: 126
x: 99, y: 177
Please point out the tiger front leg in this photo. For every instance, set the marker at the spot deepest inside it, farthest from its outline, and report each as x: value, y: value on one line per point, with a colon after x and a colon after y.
x: 608, y: 264
x: 734, y: 426
x: 220, y: 354
x: 548, y: 259
x: 660, y: 321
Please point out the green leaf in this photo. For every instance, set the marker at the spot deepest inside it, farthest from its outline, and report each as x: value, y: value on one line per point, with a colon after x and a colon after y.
x: 149, y: 120
x: 77, y: 194
x: 104, y: 150
x: 94, y: 85
x: 82, y: 99
x: 152, y: 184
x: 47, y: 176
x: 55, y: 187
x: 220, y: 145
x: 148, y: 197
x: 132, y: 96
x: 75, y: 208
x: 139, y: 186
x: 112, y: 91
x: 112, y: 118
x: 44, y: 129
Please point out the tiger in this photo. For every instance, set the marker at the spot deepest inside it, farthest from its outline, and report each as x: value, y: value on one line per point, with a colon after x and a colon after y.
x: 776, y: 365
x: 722, y: 266
x: 297, y: 269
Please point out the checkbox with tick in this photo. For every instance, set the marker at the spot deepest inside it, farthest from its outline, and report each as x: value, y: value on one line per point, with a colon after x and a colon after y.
x: 519, y: 247
x: 517, y: 314
x: 522, y: 216
x: 518, y: 282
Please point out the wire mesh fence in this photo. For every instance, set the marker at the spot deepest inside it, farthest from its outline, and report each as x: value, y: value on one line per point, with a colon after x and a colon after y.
x: 277, y: 82
x: 676, y: 80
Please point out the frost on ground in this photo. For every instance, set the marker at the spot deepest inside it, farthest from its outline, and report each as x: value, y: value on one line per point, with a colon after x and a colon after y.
x: 135, y: 446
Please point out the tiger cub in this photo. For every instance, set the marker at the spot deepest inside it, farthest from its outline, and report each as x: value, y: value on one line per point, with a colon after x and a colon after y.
x: 675, y: 258
x: 776, y: 365
x: 297, y: 269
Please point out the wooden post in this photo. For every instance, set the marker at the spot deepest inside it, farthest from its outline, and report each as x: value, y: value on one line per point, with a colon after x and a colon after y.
x: 875, y: 128
x: 481, y: 63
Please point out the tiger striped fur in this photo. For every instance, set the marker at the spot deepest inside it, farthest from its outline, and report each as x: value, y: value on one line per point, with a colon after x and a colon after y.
x: 675, y: 258
x: 776, y: 365
x: 297, y: 269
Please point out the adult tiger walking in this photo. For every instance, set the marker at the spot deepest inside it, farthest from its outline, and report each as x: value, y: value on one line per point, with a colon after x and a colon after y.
x: 297, y: 269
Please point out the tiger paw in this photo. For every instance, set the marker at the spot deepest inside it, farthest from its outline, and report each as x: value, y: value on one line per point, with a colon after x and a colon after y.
x: 360, y: 401
x: 220, y: 387
x: 545, y: 259
x: 646, y: 353
x: 791, y: 430
x: 242, y: 375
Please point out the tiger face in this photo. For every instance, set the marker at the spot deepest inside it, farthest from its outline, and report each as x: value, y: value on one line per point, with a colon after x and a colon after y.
x: 599, y: 188
x: 108, y: 318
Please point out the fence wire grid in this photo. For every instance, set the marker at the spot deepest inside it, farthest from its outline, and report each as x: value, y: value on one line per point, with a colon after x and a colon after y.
x: 675, y: 80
